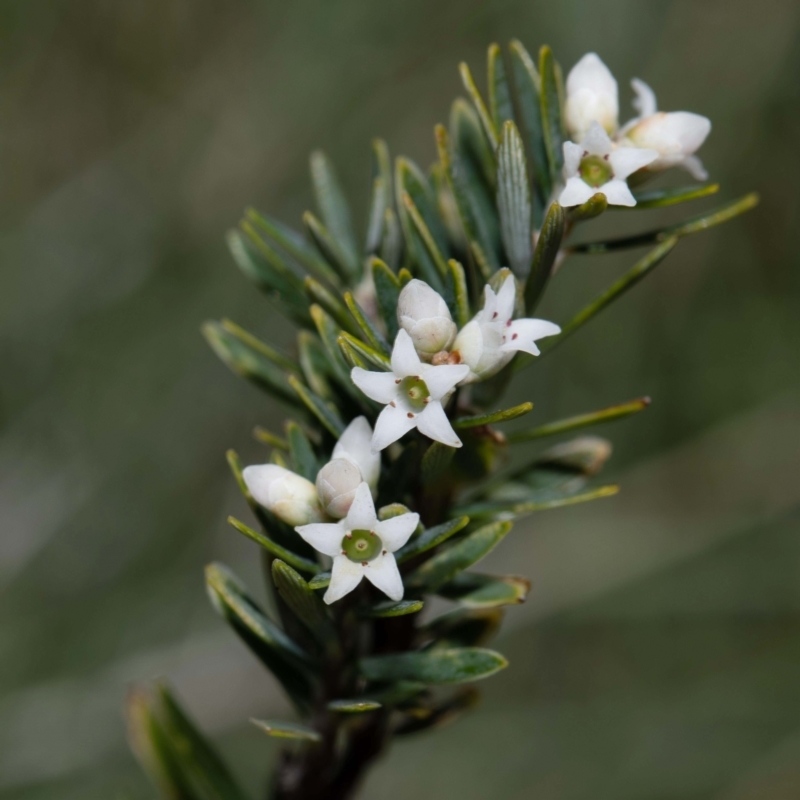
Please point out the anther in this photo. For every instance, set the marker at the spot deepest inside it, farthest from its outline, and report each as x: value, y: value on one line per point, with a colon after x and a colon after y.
x: 426, y: 400
x: 392, y: 404
x: 398, y: 380
x: 364, y: 563
x: 514, y: 336
x: 384, y: 552
x: 410, y: 415
x: 494, y: 316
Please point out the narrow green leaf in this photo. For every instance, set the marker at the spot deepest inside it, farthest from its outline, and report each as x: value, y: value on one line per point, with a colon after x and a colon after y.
x: 436, y: 460
x: 351, y: 355
x: 617, y: 289
x: 442, y: 567
x: 372, y: 357
x: 474, y: 590
x: 435, y: 667
x: 509, y: 511
x: 314, y: 364
x: 304, y: 459
x: 500, y: 104
x: 694, y: 225
x: 494, y: 417
x: 287, y: 730
x: 268, y: 437
x: 440, y: 714
x: 465, y: 627
x: 458, y: 280
x: 552, y: 125
x: 544, y: 256
x: 329, y: 334
x: 581, y: 420
x: 327, y: 246
x: 368, y: 330
x: 332, y: 303
x: 387, y: 289
x: 353, y: 706
x: 528, y: 85
x: 381, y: 196
x: 277, y: 550
x: 277, y: 358
x: 425, y: 237
x: 489, y: 129
x: 592, y: 208
x: 430, y: 538
x: 324, y: 412
x: 392, y: 243
x: 305, y: 604
x: 514, y: 201
x: 268, y: 642
x: 320, y: 581
x: 390, y: 608
x: 660, y: 198
x: 245, y: 360
x: 335, y: 211
x: 292, y: 243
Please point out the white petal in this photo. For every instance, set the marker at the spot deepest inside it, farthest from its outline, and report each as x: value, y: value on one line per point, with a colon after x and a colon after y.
x: 383, y: 574
x: 469, y: 343
x: 355, y: 444
x: 677, y: 133
x: 433, y: 423
x: 418, y: 301
x: 694, y: 166
x: 617, y: 193
x: 592, y: 95
x: 345, y: 576
x: 361, y: 516
x: 324, y: 537
x: 645, y: 100
x: 440, y: 380
x: 378, y: 386
x: 392, y: 423
x: 395, y: 532
x: 522, y: 333
x: 596, y: 141
x: 572, y: 159
x: 405, y: 361
x: 626, y: 160
x: 506, y: 299
x: 287, y: 495
x: 489, y: 304
x: 575, y: 193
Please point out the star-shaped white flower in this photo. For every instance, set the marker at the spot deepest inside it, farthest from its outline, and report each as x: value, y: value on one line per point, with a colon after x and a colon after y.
x: 598, y: 165
x: 413, y: 393
x: 491, y: 338
x: 362, y: 546
x: 674, y: 135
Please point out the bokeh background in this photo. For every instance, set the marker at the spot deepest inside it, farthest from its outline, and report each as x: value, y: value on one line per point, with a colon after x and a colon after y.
x: 658, y: 655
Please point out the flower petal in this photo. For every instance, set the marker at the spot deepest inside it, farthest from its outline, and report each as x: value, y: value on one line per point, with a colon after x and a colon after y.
x: 592, y: 95
x: 617, y: 193
x: 345, y: 576
x: 395, y: 532
x: 355, y: 444
x: 325, y: 537
x: 522, y: 333
x: 433, y: 423
x: 626, y: 160
x: 572, y: 159
x: 575, y: 193
x: 694, y: 166
x: 378, y: 386
x: 469, y: 343
x: 405, y: 361
x: 440, y: 380
x: 392, y: 424
x: 361, y: 516
x: 506, y: 299
x: 382, y: 573
x: 597, y: 141
x: 645, y: 101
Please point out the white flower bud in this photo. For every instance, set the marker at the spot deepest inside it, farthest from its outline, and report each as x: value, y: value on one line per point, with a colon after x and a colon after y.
x: 337, y: 482
x: 592, y: 96
x: 288, y: 496
x: 674, y: 135
x: 424, y: 315
x: 355, y: 444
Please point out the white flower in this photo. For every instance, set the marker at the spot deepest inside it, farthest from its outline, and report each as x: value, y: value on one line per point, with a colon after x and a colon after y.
x: 489, y: 341
x: 362, y: 546
x: 413, y: 393
x: 290, y: 497
x: 675, y: 136
x: 592, y: 96
x: 352, y: 462
x: 598, y: 165
x: 424, y: 315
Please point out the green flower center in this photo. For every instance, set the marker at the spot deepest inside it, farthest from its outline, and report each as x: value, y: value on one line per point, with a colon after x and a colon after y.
x: 416, y: 391
x: 362, y: 546
x: 595, y: 170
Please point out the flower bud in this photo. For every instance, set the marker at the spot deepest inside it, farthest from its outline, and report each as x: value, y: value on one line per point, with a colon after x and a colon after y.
x: 674, y: 135
x: 355, y: 444
x: 337, y: 482
x: 288, y: 496
x: 592, y: 96
x: 423, y: 314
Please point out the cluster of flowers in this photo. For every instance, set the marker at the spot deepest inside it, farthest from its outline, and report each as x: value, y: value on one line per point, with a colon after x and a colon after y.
x: 606, y: 155
x: 431, y: 357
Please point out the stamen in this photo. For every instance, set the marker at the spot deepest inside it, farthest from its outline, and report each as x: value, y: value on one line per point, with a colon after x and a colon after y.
x: 384, y: 552
x: 392, y: 404
x: 364, y: 563
x: 410, y: 415
x: 426, y: 400
x: 494, y: 316
x: 398, y: 380
x: 514, y: 336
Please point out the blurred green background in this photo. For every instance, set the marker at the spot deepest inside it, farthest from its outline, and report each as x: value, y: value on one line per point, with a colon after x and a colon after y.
x: 658, y: 655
